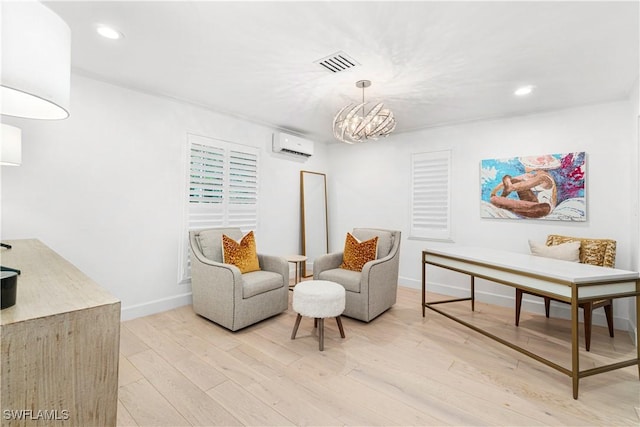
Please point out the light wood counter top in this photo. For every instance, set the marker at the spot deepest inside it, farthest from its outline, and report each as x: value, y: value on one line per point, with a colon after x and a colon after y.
x: 41, y: 292
x: 59, y: 343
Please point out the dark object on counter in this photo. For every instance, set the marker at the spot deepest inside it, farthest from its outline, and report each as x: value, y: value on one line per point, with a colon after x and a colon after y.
x: 9, y: 281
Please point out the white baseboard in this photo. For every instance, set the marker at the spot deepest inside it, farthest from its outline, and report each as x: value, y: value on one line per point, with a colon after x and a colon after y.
x: 530, y: 304
x: 153, y: 307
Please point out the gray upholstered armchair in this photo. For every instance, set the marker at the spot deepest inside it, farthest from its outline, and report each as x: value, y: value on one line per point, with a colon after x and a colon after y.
x: 371, y: 292
x: 224, y: 295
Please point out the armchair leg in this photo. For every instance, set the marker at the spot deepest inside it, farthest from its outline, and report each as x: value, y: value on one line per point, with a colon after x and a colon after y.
x: 295, y: 327
x: 608, y: 310
x: 547, y: 305
x: 518, y: 305
x: 587, y: 309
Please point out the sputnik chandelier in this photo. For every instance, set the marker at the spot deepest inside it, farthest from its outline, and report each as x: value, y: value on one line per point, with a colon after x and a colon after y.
x: 352, y: 124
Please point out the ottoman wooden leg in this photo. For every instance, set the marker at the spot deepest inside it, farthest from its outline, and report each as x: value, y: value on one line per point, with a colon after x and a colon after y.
x: 339, y: 322
x: 321, y: 333
x: 295, y: 328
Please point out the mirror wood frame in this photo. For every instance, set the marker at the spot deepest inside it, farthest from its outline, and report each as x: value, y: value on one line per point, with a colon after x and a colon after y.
x: 313, y: 216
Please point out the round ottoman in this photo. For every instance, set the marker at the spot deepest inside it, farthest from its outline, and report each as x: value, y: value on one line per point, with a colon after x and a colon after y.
x: 318, y: 299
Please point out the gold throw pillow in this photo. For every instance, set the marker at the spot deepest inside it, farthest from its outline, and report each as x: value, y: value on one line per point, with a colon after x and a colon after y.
x: 243, y: 254
x: 357, y: 254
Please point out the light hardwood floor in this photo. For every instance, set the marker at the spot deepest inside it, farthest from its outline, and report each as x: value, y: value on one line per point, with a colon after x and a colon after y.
x: 178, y: 369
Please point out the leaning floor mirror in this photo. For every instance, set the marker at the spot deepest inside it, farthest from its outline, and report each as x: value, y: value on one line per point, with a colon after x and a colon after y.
x: 313, y: 216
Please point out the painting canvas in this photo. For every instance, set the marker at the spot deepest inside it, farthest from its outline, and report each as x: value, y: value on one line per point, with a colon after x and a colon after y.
x: 547, y: 187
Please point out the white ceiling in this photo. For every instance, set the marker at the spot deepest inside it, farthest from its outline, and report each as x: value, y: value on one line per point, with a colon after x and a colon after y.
x: 432, y: 63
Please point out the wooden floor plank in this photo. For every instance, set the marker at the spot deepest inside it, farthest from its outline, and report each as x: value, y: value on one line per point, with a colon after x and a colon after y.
x: 124, y: 418
x: 385, y: 406
x: 302, y: 408
x: 274, y: 347
x: 247, y: 408
x: 201, y: 327
x: 127, y: 373
x: 129, y: 343
x: 199, y: 372
x: 148, y: 407
x: 153, y: 336
x: 338, y: 404
x: 192, y: 403
x: 223, y: 361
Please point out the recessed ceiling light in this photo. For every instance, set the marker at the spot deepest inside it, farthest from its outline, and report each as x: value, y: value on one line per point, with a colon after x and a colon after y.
x: 109, y: 32
x: 524, y: 90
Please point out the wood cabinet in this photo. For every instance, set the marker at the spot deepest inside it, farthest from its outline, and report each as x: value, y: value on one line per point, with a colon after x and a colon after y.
x: 60, y: 344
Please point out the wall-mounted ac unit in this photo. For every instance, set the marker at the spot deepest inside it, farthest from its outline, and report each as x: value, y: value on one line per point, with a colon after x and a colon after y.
x: 291, y: 144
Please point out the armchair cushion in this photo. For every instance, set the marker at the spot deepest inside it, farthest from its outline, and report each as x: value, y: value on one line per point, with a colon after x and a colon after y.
x: 241, y: 254
x: 211, y: 244
x: 569, y: 251
x: 385, y: 239
x: 257, y: 282
x: 349, y: 279
x: 357, y: 254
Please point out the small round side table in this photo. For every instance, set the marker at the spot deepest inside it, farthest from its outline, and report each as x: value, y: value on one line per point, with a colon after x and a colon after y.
x: 297, y: 260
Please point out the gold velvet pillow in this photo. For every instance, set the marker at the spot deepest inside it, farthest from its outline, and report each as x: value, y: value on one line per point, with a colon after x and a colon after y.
x: 593, y: 251
x: 243, y: 255
x: 357, y: 254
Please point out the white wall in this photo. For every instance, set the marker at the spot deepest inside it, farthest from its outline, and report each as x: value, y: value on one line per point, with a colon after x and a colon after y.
x: 105, y: 189
x: 369, y: 185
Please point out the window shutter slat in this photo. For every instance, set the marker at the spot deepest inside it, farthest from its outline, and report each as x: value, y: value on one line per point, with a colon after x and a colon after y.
x: 206, y: 174
x: 243, y: 178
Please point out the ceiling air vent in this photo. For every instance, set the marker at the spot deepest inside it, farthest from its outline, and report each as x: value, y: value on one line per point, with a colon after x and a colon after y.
x: 337, y: 62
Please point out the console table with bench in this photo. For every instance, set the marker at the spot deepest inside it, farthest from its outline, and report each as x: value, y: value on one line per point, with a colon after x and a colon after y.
x: 567, y: 281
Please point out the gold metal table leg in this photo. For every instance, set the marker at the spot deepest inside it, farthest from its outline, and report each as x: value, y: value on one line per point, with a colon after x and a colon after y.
x: 638, y: 322
x: 575, y: 354
x: 473, y: 293
x: 424, y: 282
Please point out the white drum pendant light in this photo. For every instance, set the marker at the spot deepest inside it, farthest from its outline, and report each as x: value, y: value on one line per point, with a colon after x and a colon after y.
x: 35, y: 70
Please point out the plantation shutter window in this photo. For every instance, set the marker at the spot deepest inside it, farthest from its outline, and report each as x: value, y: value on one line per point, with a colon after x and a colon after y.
x: 430, y: 195
x: 222, y: 189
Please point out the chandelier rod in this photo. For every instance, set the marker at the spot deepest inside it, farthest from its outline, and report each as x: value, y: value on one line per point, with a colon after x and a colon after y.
x: 363, y: 84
